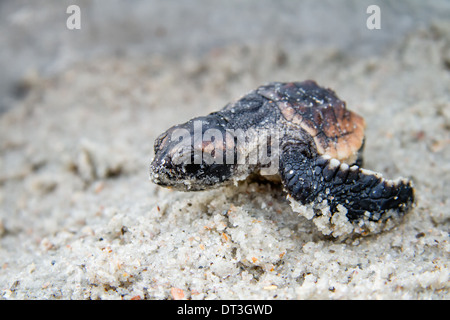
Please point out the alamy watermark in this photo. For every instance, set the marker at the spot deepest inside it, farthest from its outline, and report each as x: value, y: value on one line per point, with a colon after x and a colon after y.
x: 230, y: 146
x: 374, y: 20
x: 73, y: 22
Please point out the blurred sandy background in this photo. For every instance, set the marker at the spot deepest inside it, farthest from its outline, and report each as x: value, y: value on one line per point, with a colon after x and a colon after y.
x: 80, y: 109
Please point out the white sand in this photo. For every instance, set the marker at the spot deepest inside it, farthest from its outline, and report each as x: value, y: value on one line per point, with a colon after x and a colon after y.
x: 79, y: 218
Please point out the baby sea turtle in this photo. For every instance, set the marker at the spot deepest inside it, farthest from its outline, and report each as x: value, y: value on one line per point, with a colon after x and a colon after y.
x: 314, y: 141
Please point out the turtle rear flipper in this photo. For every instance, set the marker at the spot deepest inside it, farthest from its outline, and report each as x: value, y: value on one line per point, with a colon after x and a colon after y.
x: 323, y: 180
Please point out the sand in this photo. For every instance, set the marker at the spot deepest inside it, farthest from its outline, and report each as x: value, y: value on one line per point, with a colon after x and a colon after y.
x: 79, y: 218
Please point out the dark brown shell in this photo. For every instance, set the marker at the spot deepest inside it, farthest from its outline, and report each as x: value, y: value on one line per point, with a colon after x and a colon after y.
x: 337, y: 131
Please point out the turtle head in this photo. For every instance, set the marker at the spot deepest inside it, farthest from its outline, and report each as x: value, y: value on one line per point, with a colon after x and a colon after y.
x: 190, y: 156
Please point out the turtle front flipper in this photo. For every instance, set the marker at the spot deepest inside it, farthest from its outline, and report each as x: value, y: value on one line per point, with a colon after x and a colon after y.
x: 327, y: 186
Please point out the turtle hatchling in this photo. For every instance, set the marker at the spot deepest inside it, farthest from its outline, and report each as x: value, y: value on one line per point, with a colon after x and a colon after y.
x: 299, y: 133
